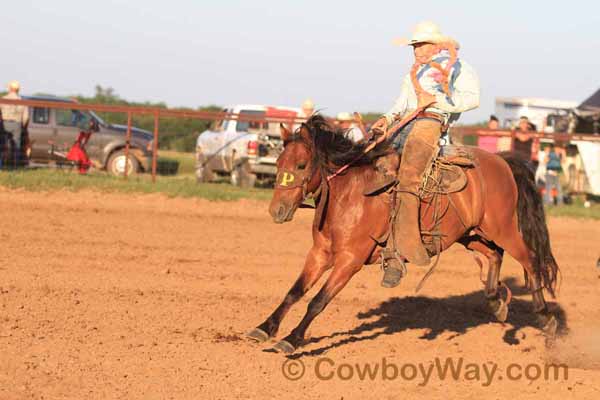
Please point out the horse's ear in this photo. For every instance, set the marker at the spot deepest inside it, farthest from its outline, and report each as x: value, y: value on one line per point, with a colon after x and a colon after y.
x: 285, y: 132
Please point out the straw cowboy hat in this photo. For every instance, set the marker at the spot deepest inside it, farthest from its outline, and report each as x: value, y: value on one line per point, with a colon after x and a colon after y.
x: 344, y: 116
x: 14, y: 85
x: 308, y: 104
x: 426, y: 32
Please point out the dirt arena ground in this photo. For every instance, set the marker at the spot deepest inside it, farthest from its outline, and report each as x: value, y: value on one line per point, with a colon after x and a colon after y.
x: 144, y: 297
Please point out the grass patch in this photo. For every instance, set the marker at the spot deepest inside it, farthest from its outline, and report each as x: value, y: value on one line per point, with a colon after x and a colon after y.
x: 575, y: 210
x: 180, y: 186
x: 186, y: 186
x: 187, y: 161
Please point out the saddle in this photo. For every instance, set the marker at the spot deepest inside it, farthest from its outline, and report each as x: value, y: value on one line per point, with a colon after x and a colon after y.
x: 446, y: 173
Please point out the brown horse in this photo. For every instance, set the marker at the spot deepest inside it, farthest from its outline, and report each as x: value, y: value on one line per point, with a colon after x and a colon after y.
x: 499, y: 209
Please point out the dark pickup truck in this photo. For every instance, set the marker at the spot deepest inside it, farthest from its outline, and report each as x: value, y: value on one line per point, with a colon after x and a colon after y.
x: 52, y: 131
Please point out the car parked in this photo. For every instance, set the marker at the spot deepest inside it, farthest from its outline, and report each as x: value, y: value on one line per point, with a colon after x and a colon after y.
x: 245, y: 152
x: 52, y: 131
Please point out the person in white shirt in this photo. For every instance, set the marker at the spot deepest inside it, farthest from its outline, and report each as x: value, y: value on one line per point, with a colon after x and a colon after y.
x: 15, y: 119
x: 346, y: 122
x: 307, y: 109
x: 441, y: 86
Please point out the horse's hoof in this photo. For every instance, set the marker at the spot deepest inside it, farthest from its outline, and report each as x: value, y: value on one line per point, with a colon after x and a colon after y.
x: 551, y: 327
x: 283, y: 346
x: 258, y: 335
x: 501, y: 312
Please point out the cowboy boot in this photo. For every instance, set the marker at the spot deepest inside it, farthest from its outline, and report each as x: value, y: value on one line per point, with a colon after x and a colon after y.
x: 386, y: 167
x: 418, y: 153
x: 407, y: 232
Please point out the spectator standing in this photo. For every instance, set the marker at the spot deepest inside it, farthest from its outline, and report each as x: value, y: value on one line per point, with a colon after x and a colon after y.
x: 14, y: 121
x: 489, y: 142
x: 493, y: 123
x: 526, y: 144
x: 308, y: 109
x: 553, y: 168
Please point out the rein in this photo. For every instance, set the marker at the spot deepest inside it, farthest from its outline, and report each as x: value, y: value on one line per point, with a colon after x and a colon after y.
x: 389, y: 132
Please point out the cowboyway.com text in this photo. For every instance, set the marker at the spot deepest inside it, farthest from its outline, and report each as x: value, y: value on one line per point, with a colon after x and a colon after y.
x: 457, y: 369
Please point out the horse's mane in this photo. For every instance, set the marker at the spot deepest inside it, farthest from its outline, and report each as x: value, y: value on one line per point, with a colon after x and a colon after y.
x: 333, y: 149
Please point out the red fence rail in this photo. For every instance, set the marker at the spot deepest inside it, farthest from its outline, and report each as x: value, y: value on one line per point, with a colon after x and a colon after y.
x: 559, y: 136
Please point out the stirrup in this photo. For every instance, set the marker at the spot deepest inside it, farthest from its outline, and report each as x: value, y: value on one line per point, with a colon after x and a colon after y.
x: 394, y: 269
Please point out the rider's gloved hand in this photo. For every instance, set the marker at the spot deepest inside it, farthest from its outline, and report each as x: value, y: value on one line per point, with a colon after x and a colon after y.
x: 379, y: 127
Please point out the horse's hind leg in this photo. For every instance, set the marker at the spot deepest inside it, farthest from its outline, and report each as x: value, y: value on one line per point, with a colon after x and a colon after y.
x: 548, y: 321
x: 514, y: 244
x: 494, y: 255
x: 317, y: 262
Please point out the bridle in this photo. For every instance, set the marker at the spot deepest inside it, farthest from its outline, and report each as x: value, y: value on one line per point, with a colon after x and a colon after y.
x: 288, y: 179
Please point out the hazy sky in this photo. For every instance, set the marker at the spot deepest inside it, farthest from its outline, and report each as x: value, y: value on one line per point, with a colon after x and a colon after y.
x: 340, y: 53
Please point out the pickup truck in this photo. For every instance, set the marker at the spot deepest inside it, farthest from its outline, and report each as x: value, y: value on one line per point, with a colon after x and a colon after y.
x: 245, y: 152
x: 52, y: 131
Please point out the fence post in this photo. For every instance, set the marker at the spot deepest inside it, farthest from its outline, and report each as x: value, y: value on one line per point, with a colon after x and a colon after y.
x: 155, y: 147
x: 127, y: 143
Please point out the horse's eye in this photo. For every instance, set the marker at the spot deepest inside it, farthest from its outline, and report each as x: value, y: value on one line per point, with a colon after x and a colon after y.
x: 301, y: 166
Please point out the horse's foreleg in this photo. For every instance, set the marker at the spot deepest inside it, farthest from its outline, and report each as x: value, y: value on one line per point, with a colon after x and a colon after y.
x: 317, y: 262
x: 340, y: 276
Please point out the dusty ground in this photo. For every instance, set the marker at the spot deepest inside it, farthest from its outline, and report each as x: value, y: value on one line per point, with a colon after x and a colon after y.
x: 114, y: 296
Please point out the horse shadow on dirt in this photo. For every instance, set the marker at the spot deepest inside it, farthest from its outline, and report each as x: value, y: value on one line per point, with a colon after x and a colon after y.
x: 456, y: 314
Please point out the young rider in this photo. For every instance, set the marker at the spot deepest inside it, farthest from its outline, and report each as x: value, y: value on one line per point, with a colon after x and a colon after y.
x: 443, y: 86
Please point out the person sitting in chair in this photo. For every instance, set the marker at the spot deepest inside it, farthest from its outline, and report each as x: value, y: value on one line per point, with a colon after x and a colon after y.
x: 441, y: 86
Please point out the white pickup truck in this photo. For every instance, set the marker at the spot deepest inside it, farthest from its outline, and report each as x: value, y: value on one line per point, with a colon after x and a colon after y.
x: 243, y: 151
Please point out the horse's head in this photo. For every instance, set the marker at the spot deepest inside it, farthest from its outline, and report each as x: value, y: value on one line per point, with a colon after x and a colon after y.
x: 297, y: 174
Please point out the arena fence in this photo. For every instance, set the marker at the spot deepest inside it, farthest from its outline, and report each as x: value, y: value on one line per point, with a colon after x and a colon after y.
x: 157, y: 112
x: 459, y: 133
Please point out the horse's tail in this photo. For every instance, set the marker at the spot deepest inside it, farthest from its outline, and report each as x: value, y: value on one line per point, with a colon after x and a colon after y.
x: 532, y: 222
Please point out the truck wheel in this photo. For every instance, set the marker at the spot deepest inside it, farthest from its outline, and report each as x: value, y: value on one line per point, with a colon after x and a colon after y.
x: 204, y: 173
x: 242, y: 177
x: 116, y: 164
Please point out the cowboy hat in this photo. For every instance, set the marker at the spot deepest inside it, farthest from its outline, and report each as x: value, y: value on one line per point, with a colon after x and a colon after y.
x: 344, y: 116
x: 308, y: 104
x: 426, y: 32
x: 14, y: 85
